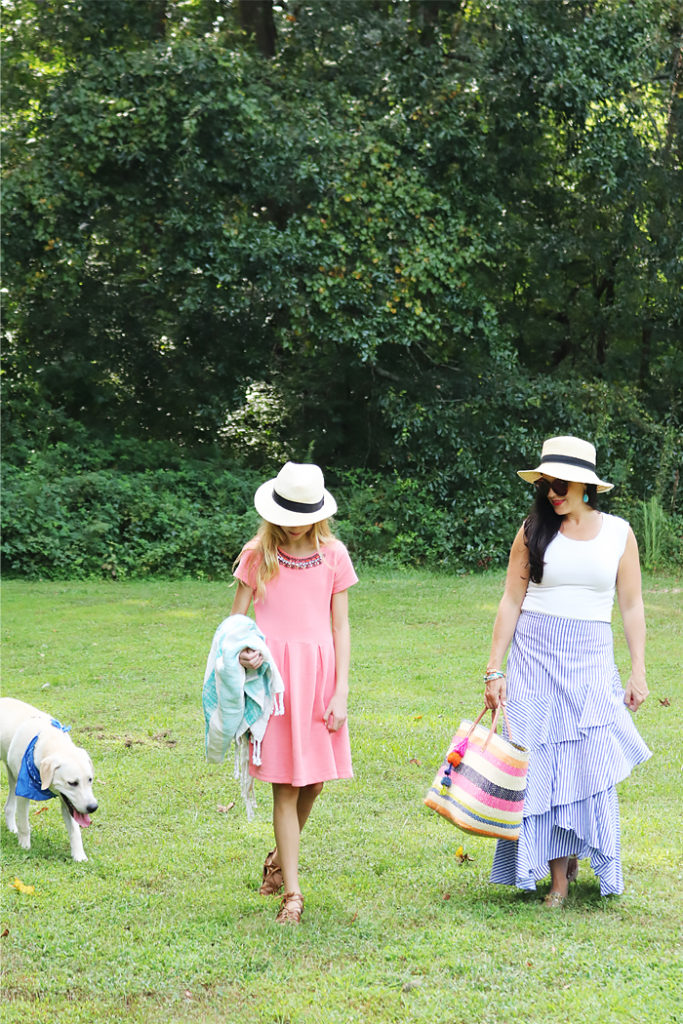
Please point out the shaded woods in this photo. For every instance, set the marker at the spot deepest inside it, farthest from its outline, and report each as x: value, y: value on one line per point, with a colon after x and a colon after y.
x: 406, y: 240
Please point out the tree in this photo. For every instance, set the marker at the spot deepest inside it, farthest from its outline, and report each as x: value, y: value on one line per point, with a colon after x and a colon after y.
x: 397, y: 208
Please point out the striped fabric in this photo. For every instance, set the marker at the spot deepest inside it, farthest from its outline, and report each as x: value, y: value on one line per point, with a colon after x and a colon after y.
x: 486, y: 791
x: 565, y: 703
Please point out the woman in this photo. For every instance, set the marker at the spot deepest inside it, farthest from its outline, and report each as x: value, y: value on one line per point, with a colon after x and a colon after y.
x: 563, y: 695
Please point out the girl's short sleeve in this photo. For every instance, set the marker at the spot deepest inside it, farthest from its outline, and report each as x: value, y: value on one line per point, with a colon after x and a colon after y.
x: 344, y: 573
x: 245, y: 568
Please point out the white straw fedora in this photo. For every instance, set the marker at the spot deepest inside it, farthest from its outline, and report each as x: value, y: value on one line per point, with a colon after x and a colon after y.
x: 295, y: 497
x: 568, y: 458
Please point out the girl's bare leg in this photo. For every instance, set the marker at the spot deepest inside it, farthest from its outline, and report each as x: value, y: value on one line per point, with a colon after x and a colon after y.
x: 291, y: 808
x: 307, y: 797
x: 286, y: 828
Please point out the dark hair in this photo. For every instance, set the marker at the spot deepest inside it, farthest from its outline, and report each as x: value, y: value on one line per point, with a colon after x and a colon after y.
x: 542, y: 525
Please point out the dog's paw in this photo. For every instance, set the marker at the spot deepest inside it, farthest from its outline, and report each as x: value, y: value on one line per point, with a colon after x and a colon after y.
x: 24, y: 842
x: 12, y: 826
x: 79, y: 856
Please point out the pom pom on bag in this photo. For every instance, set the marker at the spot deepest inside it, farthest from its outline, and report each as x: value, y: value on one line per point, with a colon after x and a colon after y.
x: 480, y: 786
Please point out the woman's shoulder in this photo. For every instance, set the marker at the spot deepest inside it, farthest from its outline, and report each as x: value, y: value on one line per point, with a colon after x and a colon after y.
x: 616, y: 523
x: 615, y: 530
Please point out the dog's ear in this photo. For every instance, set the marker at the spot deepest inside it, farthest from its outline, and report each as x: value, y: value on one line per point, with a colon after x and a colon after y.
x: 48, y: 767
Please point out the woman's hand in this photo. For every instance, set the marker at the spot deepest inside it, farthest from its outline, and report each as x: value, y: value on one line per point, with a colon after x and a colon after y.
x: 250, y: 659
x: 495, y: 693
x: 636, y: 692
x: 335, y: 713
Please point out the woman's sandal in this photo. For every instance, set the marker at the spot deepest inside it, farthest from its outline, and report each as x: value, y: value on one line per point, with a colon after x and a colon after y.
x: 272, y: 876
x: 291, y: 908
x: 554, y: 900
x: 572, y: 869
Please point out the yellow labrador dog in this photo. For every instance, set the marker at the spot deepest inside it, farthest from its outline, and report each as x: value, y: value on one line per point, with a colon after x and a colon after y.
x: 42, y: 761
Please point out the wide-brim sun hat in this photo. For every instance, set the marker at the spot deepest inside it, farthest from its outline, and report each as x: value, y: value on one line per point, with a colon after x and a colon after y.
x: 567, y: 458
x: 295, y: 497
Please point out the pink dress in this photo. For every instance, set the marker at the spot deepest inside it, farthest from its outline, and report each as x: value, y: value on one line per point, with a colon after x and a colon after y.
x: 295, y: 617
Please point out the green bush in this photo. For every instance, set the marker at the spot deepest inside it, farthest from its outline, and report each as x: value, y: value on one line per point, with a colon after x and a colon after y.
x: 189, y: 521
x: 65, y: 518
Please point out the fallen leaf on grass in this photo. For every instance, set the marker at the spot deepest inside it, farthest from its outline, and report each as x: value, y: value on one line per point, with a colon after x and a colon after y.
x: 416, y: 718
x: 461, y: 856
x: 17, y: 884
x: 224, y: 808
x: 666, y: 703
x: 446, y: 895
x: 41, y: 810
x: 4, y: 933
x: 414, y: 760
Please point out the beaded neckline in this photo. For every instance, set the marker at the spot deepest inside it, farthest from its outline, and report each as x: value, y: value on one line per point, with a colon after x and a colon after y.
x: 290, y: 562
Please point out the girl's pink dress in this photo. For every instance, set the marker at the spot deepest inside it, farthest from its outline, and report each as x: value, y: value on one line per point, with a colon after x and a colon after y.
x: 295, y: 617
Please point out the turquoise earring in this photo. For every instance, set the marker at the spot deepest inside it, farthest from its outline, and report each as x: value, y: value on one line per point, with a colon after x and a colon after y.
x: 585, y: 497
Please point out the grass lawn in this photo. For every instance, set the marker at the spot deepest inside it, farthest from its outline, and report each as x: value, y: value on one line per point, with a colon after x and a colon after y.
x: 164, y: 923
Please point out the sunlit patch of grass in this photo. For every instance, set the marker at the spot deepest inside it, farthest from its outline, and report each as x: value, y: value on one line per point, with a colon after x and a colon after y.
x: 164, y: 923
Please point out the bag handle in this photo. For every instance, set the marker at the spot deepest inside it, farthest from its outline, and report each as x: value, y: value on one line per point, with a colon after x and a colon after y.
x: 494, y: 723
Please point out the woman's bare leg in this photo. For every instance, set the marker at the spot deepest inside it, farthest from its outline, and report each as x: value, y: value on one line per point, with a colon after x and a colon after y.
x: 558, y: 875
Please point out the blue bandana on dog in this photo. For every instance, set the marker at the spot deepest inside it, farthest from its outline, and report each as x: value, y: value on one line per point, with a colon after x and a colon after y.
x: 28, y: 780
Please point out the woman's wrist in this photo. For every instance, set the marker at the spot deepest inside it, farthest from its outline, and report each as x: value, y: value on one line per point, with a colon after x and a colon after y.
x: 493, y: 674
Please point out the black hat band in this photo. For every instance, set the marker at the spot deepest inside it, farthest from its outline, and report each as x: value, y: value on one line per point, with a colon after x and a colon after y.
x: 569, y: 460
x: 298, y: 506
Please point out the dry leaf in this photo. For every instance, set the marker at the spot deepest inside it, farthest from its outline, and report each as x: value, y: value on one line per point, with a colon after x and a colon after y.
x: 224, y: 809
x: 666, y: 703
x: 461, y: 856
x: 414, y: 760
x: 27, y: 890
x: 40, y: 810
x: 4, y: 933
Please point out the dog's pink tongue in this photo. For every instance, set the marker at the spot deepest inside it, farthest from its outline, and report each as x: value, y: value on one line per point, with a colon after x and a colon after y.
x: 82, y: 819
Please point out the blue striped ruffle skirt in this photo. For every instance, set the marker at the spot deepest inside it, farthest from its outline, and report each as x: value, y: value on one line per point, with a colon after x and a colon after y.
x: 565, y: 703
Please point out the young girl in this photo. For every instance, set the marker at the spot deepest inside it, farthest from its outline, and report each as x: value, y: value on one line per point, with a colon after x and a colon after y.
x: 298, y: 575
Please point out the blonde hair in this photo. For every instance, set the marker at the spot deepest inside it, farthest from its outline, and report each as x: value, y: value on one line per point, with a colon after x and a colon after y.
x: 264, y: 564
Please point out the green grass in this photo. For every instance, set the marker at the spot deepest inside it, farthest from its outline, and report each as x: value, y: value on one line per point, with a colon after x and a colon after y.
x: 164, y: 924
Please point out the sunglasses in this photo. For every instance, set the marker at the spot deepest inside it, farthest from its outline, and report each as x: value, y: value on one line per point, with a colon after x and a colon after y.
x: 559, y: 487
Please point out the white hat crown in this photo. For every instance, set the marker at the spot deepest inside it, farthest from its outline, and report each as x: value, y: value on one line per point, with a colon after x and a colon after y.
x: 295, y: 497
x: 569, y: 458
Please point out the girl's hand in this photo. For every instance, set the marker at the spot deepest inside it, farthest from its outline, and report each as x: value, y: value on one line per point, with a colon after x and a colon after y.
x: 495, y: 693
x: 250, y: 659
x: 636, y: 692
x: 335, y: 714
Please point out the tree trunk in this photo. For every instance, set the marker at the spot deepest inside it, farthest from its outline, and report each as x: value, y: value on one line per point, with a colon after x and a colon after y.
x: 256, y: 18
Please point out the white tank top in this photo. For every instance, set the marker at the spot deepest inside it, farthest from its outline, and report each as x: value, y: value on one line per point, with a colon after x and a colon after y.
x: 579, y: 576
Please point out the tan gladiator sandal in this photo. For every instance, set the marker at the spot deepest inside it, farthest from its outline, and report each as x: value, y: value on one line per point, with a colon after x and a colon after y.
x: 291, y: 908
x: 272, y: 876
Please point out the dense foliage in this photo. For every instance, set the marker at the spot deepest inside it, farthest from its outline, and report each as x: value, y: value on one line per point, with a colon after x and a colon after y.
x: 406, y: 240
x: 114, y: 512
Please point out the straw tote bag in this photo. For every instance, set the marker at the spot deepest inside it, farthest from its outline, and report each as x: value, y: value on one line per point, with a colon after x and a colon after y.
x: 480, y: 786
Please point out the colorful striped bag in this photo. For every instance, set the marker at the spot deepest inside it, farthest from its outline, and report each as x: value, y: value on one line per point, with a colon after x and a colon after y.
x: 480, y: 786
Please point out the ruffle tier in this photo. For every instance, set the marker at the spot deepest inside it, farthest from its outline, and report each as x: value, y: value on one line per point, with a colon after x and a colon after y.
x: 588, y: 829
x: 566, y: 705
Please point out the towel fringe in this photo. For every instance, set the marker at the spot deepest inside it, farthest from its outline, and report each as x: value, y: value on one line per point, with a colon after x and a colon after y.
x: 242, y: 775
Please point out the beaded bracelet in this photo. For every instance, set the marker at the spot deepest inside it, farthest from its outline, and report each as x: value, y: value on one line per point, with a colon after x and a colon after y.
x: 490, y: 676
